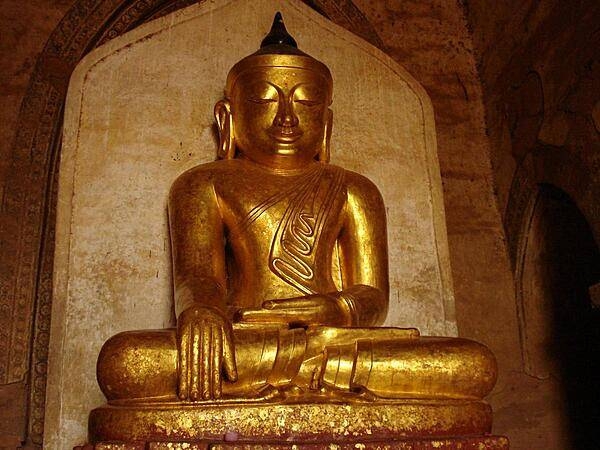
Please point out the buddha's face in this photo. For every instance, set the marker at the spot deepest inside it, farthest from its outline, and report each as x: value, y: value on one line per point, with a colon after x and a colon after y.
x: 280, y: 115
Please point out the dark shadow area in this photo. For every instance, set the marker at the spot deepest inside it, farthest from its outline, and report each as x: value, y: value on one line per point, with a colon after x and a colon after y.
x: 573, y: 265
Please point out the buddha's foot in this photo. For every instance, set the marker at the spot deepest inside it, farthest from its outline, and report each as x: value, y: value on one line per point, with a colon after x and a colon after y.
x: 268, y: 394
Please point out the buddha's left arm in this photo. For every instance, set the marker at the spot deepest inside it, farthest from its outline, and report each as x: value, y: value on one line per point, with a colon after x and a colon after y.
x: 363, y: 253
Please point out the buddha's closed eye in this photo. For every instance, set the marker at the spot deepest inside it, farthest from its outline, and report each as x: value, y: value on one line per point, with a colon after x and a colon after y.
x: 261, y: 100
x: 306, y: 102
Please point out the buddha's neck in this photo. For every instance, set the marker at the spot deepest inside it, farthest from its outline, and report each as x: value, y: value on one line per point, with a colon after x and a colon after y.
x: 289, y: 169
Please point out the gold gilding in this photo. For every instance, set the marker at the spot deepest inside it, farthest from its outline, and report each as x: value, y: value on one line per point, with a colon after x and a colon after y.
x: 260, y: 318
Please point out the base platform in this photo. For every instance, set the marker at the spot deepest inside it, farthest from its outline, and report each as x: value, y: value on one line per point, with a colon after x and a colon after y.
x: 456, y: 443
x: 307, y: 423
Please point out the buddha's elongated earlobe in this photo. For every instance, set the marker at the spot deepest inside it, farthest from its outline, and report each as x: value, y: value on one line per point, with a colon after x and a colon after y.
x: 224, y: 120
x: 323, y: 155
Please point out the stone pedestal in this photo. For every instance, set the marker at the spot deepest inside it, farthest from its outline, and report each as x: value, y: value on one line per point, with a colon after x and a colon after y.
x: 414, y: 424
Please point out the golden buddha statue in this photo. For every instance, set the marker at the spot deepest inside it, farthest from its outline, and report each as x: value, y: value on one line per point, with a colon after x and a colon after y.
x: 254, y: 236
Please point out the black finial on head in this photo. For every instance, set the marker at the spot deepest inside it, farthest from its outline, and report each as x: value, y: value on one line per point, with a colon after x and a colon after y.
x: 278, y: 34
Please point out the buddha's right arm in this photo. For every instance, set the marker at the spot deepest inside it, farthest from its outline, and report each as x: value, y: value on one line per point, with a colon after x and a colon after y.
x: 204, y: 335
x: 196, y: 229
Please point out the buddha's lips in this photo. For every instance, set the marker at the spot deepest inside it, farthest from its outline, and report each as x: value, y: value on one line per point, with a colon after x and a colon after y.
x: 285, y: 135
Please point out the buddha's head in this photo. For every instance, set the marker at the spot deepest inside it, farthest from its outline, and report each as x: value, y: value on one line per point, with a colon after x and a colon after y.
x: 276, y: 106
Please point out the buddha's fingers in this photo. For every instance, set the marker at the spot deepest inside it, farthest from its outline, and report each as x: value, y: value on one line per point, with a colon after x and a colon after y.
x: 206, y: 361
x: 259, y: 315
x: 228, y: 353
x: 310, y: 310
x: 184, y: 342
x: 217, y: 357
x: 282, y: 315
x: 194, y: 367
x: 293, y: 303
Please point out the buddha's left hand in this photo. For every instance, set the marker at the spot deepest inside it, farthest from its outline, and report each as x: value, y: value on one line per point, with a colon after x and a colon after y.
x: 300, y: 311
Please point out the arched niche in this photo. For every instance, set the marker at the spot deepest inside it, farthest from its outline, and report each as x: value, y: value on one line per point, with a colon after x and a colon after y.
x: 139, y: 112
x: 556, y: 166
x: 557, y: 276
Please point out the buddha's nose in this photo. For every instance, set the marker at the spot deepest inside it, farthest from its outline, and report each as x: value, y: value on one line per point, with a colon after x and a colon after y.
x: 285, y: 115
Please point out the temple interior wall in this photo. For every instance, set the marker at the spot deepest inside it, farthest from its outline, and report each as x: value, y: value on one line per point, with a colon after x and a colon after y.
x: 540, y: 74
x: 539, y: 70
x: 506, y: 78
x: 25, y: 30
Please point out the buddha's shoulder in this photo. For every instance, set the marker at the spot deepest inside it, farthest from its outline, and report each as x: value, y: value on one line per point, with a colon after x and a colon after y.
x: 360, y: 185
x: 206, y: 175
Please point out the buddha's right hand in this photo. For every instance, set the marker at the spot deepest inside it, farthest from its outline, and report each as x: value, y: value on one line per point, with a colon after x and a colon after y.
x: 205, y: 347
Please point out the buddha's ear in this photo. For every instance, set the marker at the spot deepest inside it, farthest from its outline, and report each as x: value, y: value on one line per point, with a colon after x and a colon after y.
x: 323, y: 155
x: 224, y: 120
